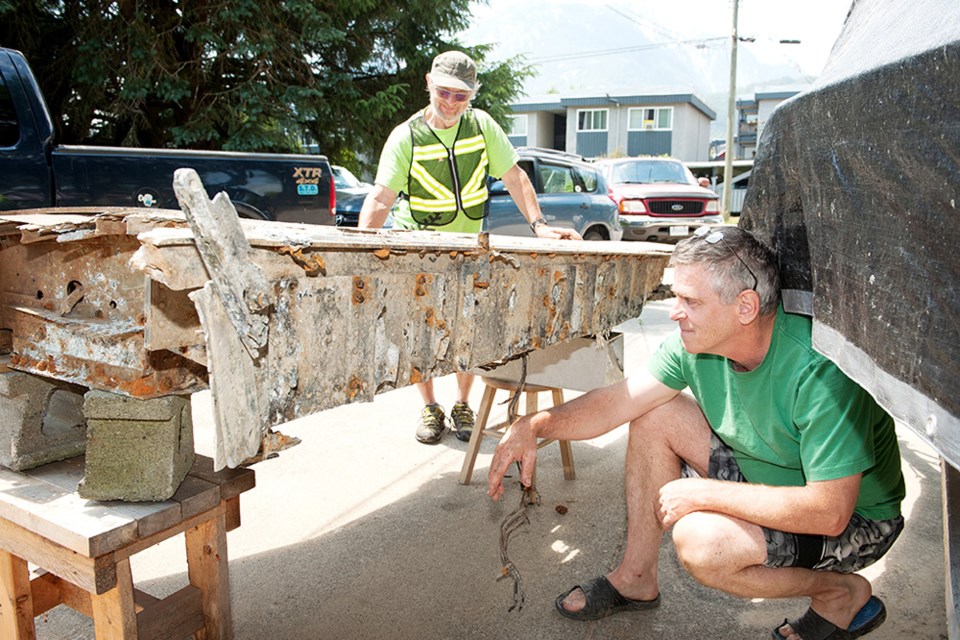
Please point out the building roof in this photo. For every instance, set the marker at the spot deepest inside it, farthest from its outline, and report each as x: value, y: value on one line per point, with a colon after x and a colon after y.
x: 560, y: 103
x: 776, y: 95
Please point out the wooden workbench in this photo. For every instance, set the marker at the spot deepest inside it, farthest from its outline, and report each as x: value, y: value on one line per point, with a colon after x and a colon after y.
x: 83, y: 549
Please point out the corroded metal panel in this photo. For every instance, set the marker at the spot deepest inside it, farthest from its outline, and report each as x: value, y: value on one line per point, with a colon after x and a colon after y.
x: 349, y: 313
x: 171, y: 322
x: 76, y: 310
x: 376, y: 320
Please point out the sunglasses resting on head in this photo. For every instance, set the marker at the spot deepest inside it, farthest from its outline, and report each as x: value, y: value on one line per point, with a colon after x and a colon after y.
x: 713, y: 237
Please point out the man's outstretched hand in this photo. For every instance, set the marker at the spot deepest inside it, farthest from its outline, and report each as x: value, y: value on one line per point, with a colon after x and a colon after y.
x: 557, y: 233
x: 519, y: 444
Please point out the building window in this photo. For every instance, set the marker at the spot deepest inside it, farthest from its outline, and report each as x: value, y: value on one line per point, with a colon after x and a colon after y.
x: 592, y: 120
x: 518, y: 125
x: 650, y: 119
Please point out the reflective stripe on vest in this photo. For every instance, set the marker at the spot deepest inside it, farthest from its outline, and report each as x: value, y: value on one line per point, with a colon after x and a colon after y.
x: 436, y: 189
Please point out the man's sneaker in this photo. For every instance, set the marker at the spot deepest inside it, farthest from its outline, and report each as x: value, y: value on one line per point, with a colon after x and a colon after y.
x: 432, y: 423
x: 462, y: 416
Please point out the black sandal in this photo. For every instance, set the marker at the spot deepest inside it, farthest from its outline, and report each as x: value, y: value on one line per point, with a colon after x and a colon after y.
x: 602, y: 600
x: 812, y: 626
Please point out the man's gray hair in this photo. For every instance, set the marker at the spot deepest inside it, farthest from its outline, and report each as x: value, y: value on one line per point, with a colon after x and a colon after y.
x: 733, y: 258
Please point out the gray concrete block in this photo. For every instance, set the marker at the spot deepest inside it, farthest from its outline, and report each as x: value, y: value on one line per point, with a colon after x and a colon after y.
x: 137, y: 450
x: 41, y: 420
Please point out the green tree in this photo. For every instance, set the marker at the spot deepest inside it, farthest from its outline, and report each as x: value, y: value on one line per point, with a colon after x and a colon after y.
x: 245, y: 75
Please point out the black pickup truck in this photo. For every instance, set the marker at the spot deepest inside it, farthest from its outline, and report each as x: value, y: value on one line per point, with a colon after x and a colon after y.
x: 35, y: 173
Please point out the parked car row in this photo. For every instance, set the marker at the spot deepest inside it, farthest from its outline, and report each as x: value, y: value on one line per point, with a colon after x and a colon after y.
x: 652, y: 199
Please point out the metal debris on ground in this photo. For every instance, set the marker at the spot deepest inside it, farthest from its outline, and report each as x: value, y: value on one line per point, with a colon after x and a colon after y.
x: 514, y: 400
x: 518, y: 517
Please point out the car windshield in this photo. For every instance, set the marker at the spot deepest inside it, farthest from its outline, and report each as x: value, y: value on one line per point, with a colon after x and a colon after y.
x: 645, y: 171
x: 344, y: 179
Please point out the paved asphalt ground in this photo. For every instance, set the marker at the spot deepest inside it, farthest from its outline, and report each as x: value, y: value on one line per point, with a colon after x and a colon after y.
x: 362, y: 532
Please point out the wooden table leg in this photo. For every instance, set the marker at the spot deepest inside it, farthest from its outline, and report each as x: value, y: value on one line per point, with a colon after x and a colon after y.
x: 531, y: 405
x: 16, y: 602
x: 473, y: 448
x: 566, y: 451
x: 208, y: 571
x: 114, y: 613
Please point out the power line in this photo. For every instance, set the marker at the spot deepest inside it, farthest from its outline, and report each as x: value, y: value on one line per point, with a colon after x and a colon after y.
x: 643, y: 23
x: 645, y: 47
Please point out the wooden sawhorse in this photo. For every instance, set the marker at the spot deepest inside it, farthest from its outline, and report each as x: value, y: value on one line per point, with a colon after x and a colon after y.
x: 84, y: 548
x: 482, y: 430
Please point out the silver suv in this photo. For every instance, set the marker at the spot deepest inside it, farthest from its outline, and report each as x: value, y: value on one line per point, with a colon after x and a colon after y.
x: 571, y: 193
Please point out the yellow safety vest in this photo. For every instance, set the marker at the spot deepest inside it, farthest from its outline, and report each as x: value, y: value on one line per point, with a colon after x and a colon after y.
x: 445, y: 181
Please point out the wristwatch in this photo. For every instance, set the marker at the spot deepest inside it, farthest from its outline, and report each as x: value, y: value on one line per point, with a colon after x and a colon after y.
x: 536, y: 223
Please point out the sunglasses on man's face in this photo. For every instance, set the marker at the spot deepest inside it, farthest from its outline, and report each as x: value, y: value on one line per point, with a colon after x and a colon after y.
x: 443, y: 94
x: 713, y: 237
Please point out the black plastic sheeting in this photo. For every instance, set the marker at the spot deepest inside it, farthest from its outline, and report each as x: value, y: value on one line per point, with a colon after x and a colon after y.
x: 856, y: 184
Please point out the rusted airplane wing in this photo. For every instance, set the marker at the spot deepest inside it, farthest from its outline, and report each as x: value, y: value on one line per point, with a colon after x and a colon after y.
x: 286, y: 320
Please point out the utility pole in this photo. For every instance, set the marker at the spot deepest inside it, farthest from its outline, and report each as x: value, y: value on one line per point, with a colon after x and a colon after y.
x: 731, y: 115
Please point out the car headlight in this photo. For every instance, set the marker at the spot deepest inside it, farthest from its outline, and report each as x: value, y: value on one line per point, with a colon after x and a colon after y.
x: 713, y: 206
x: 632, y: 206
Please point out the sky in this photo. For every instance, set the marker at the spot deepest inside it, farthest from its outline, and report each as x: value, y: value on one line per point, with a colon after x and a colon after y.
x: 815, y: 23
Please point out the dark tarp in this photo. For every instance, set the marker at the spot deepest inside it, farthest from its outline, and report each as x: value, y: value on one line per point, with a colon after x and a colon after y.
x: 857, y: 186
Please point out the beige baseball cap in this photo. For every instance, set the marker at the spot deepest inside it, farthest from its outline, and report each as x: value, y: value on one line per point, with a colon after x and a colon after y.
x: 454, y: 70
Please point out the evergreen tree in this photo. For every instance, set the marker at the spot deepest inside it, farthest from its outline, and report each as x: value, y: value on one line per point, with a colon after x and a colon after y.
x: 244, y: 75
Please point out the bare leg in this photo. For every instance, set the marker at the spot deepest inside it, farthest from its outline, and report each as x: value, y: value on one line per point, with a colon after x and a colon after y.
x: 720, y: 551
x: 728, y: 554
x: 464, y: 384
x: 426, y: 392
x: 658, y: 442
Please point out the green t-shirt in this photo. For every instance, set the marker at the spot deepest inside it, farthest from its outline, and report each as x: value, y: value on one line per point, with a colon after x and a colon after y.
x: 394, y: 167
x: 793, y: 419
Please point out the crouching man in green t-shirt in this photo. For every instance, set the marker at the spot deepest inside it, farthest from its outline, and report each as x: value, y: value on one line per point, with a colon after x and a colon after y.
x: 779, y: 476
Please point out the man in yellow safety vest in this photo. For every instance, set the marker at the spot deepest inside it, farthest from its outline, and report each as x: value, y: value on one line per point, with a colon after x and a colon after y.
x: 437, y: 163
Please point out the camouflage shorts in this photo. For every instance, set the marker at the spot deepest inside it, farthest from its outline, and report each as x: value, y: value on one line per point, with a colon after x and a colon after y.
x: 861, y: 544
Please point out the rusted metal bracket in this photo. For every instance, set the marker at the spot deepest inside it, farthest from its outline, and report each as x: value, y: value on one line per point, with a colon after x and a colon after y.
x: 224, y: 249
x: 238, y: 295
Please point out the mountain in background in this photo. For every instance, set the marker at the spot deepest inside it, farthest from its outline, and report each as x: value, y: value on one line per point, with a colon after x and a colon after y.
x: 582, y: 49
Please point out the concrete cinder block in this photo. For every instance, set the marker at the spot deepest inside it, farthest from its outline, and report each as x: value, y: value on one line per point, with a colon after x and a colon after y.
x: 137, y: 450
x: 41, y: 420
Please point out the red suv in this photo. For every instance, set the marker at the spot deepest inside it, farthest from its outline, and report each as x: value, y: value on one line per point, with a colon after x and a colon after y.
x: 658, y: 198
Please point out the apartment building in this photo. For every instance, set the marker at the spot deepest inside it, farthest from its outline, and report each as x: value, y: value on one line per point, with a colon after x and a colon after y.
x: 675, y: 124
x: 752, y: 115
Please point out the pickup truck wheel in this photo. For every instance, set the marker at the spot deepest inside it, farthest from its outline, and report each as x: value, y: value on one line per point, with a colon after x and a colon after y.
x: 593, y: 234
